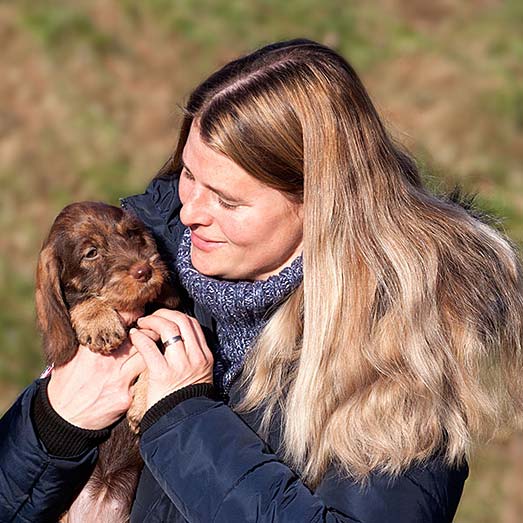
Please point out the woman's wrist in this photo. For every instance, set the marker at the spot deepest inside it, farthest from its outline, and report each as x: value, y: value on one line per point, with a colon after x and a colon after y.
x: 166, y: 404
x: 61, y: 438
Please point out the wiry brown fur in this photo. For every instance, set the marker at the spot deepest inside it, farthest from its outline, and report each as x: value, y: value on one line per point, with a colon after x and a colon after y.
x: 98, y: 262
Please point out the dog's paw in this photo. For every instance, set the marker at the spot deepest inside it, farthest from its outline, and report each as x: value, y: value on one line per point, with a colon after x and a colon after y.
x: 98, y: 327
x: 108, y: 337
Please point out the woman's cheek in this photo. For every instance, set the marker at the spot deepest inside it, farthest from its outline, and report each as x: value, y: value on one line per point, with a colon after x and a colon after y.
x: 239, y: 230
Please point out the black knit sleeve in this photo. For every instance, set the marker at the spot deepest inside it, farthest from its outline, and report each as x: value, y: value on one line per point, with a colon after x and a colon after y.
x: 61, y: 438
x: 169, y: 402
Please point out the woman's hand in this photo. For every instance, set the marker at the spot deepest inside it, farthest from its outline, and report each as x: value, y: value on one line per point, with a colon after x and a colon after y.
x: 185, y: 362
x: 92, y: 390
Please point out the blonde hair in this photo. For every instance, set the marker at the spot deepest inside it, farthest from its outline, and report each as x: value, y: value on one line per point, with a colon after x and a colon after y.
x: 405, y: 338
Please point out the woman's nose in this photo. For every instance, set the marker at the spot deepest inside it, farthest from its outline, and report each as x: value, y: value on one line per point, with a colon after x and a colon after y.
x: 195, y: 209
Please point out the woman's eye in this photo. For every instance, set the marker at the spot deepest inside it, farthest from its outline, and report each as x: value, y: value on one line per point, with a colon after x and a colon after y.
x: 91, y: 254
x: 187, y: 174
x: 226, y: 205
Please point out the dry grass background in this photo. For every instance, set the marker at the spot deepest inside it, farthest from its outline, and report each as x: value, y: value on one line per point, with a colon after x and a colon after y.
x: 89, y: 105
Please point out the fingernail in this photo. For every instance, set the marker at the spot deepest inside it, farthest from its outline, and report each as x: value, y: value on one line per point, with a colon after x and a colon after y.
x: 139, y: 320
x: 132, y: 331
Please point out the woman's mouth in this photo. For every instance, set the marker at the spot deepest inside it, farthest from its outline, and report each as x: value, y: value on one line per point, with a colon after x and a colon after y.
x: 204, y: 244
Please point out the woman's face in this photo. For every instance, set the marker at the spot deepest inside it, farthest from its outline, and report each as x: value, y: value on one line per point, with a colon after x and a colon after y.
x: 241, y: 229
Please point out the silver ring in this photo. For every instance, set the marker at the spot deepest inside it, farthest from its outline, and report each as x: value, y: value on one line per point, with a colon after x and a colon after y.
x: 171, y: 341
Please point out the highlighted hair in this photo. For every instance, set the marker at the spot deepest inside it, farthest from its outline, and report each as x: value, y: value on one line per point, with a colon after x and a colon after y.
x: 405, y: 338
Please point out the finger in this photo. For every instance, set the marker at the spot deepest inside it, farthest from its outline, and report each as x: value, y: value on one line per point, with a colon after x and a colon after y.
x: 192, y: 342
x: 197, y: 329
x: 153, y: 358
x: 133, y: 366
x: 181, y: 319
x: 131, y: 361
x: 150, y: 334
x: 124, y: 350
x: 168, y: 314
x: 164, y: 328
x: 190, y: 330
x: 175, y: 351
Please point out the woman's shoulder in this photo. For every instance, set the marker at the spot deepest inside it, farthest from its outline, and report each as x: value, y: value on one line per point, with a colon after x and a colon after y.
x: 428, y: 492
x: 160, y: 200
x: 159, y: 209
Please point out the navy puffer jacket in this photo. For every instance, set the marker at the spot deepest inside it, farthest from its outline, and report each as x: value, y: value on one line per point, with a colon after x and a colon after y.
x: 204, y: 462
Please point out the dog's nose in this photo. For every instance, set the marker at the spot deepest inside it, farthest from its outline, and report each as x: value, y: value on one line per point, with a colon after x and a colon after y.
x: 141, y: 271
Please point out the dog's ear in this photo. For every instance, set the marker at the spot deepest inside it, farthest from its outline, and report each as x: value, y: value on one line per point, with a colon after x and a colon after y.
x: 53, y: 318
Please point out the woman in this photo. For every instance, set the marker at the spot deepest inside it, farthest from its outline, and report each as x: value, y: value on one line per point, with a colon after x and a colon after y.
x: 362, y: 331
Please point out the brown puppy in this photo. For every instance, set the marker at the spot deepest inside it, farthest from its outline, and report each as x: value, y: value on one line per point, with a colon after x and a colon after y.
x: 97, y: 265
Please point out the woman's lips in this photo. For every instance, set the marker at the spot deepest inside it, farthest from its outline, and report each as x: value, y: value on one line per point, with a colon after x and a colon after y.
x: 204, y: 244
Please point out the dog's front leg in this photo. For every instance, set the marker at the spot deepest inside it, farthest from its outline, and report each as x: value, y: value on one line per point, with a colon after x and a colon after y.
x: 98, y: 325
x: 139, y: 403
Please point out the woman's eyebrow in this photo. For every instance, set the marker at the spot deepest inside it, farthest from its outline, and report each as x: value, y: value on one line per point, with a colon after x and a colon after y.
x: 221, y: 193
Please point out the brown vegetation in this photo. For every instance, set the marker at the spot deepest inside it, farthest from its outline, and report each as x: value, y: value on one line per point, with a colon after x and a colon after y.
x: 89, y: 97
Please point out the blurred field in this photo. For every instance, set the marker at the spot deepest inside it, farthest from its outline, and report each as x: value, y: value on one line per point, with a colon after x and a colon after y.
x: 89, y: 106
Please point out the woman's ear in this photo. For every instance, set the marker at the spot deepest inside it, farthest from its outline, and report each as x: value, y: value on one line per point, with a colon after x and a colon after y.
x: 52, y: 314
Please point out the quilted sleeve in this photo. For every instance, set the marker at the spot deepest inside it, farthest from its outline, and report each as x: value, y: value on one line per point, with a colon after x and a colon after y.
x: 215, y: 468
x: 34, y: 485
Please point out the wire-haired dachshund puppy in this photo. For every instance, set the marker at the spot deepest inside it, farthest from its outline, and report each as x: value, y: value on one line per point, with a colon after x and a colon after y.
x: 97, y: 264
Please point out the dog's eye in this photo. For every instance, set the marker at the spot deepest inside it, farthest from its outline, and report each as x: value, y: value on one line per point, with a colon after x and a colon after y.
x: 91, y: 254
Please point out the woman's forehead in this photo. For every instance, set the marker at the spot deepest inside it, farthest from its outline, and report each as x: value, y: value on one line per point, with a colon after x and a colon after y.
x: 211, y: 166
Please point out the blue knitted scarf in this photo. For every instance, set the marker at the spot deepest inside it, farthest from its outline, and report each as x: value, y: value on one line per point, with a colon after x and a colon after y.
x: 240, y: 308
